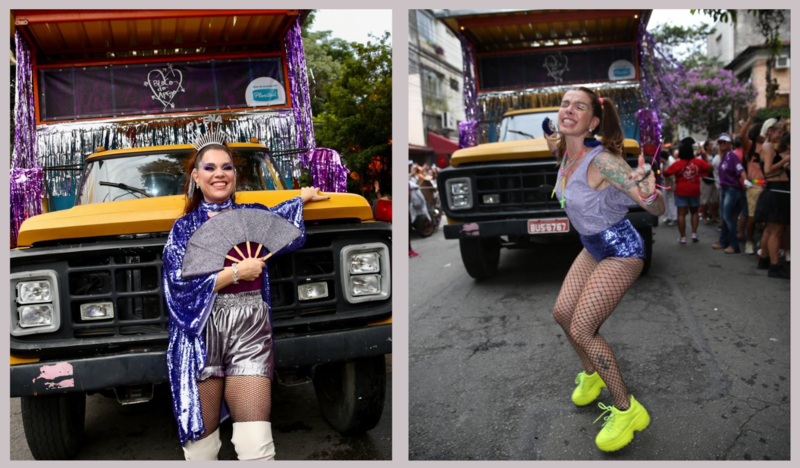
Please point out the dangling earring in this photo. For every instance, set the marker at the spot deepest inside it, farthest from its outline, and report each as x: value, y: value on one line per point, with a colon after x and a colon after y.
x: 192, y: 183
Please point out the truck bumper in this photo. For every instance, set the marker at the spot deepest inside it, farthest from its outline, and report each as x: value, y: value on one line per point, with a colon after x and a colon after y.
x: 519, y: 227
x: 144, y: 367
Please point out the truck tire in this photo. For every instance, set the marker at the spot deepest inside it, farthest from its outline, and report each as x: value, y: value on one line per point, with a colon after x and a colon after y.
x: 351, y: 394
x: 54, y: 425
x: 424, y: 226
x: 647, y: 236
x: 480, y: 256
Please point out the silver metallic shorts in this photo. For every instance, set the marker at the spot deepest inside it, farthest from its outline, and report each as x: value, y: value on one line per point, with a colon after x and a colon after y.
x: 239, y: 337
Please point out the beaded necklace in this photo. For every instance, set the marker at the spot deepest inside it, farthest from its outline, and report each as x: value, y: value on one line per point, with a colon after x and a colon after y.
x: 563, y: 172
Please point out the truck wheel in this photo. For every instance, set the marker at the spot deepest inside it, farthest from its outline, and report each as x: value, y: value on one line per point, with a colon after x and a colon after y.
x: 54, y: 425
x: 480, y: 256
x: 351, y: 394
x: 424, y: 226
x: 647, y: 236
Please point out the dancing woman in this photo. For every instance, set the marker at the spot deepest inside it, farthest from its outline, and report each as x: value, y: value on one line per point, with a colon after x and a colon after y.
x: 220, y: 328
x: 597, y: 186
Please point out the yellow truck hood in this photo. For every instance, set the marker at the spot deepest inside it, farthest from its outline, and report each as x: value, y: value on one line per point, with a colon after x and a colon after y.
x: 511, y: 150
x: 159, y: 214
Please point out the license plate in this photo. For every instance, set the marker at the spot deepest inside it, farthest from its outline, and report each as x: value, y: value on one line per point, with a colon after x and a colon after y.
x: 548, y: 226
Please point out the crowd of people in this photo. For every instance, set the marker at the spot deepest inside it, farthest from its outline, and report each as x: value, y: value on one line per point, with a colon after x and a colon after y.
x: 740, y: 182
x: 417, y: 204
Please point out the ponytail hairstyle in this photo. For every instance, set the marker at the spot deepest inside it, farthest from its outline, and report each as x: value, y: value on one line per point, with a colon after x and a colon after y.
x: 609, y: 128
x: 193, y: 164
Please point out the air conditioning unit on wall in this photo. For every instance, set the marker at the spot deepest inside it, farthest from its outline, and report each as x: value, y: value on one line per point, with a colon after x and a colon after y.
x: 782, y: 63
x: 448, y: 120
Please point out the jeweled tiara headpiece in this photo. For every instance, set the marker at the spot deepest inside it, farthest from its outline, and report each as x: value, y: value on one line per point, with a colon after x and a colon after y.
x: 214, y: 134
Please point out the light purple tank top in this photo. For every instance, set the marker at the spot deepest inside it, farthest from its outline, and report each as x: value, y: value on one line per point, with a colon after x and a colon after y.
x: 591, y: 211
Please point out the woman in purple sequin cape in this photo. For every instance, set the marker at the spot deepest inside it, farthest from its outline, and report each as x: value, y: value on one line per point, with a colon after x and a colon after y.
x: 220, y: 330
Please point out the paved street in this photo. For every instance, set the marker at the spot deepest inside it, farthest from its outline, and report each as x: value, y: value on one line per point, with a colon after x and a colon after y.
x: 702, y: 340
x: 148, y: 432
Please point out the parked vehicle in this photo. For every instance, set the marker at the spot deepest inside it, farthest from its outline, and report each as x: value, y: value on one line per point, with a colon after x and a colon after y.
x: 425, y: 209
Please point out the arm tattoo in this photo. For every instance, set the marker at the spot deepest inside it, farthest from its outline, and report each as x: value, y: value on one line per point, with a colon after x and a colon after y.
x: 615, y: 169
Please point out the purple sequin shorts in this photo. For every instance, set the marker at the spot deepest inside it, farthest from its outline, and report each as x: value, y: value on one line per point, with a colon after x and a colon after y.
x: 239, y: 337
x: 620, y: 240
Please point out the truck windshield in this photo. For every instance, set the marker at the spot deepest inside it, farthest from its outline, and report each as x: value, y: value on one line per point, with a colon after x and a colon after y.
x: 163, y: 174
x: 524, y: 126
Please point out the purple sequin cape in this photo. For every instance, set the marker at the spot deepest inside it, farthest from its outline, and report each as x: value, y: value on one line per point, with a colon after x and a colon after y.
x: 190, y: 303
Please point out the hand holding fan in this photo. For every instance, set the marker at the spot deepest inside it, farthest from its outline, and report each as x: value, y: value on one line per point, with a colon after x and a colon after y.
x: 210, y: 244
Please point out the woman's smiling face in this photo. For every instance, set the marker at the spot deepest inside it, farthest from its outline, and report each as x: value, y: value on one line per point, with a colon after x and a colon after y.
x: 215, y: 176
x: 575, y: 116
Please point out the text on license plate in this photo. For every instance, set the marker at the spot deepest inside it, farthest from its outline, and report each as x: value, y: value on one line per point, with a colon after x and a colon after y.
x: 548, y: 226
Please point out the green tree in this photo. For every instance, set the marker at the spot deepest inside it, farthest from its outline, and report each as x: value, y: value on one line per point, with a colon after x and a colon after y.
x: 769, y: 23
x: 357, y: 120
x: 324, y: 57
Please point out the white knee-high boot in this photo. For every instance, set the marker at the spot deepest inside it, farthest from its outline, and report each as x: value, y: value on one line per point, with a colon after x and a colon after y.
x: 203, y: 449
x: 253, y: 440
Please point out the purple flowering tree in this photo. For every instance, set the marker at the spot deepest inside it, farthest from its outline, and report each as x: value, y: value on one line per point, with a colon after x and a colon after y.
x: 705, y: 97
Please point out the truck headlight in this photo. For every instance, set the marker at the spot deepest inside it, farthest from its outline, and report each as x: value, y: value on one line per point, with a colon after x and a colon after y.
x: 35, y: 307
x: 310, y: 291
x: 367, y: 275
x: 97, y: 311
x: 33, y: 292
x: 39, y: 315
x: 368, y: 262
x: 365, y: 285
x: 459, y: 193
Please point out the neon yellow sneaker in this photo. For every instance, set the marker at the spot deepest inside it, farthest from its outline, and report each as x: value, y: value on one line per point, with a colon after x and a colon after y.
x: 618, y: 428
x: 588, y: 389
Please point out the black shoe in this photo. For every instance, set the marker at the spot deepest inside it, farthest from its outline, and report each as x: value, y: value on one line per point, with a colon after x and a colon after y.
x: 777, y: 271
x: 763, y: 263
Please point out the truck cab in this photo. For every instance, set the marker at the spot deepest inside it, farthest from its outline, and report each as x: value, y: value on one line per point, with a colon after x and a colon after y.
x: 107, y: 249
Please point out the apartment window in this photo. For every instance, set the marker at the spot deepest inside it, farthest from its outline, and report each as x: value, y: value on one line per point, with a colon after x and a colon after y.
x: 425, y: 25
x: 454, y: 84
x: 433, y: 83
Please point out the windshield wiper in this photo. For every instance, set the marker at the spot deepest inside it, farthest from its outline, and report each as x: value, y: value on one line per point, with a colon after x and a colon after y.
x: 521, y: 133
x: 126, y: 187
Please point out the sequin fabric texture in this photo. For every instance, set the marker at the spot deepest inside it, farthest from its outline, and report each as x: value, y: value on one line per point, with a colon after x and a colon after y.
x: 620, y: 240
x: 591, y: 211
x: 190, y: 302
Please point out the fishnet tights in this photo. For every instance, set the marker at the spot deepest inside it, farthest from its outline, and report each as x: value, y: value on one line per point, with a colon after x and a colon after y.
x: 590, y: 293
x: 249, y: 398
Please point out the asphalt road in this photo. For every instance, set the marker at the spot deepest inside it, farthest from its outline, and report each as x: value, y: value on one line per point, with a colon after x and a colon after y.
x: 702, y: 340
x: 147, y: 431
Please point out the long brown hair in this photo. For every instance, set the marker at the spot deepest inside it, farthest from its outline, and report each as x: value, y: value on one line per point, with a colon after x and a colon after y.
x: 194, y: 163
x: 609, y: 128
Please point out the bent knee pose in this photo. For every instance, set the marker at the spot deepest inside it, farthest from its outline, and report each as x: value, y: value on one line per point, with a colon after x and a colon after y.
x: 220, y: 348
x: 597, y: 186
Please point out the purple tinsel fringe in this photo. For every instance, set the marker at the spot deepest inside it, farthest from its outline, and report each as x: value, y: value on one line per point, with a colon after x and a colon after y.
x: 649, y: 127
x: 301, y: 98
x: 467, y: 133
x: 26, y: 174
x: 468, y: 130
x: 661, y: 73
x: 328, y: 172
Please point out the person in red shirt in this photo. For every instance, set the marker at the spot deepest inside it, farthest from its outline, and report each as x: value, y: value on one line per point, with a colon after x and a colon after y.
x: 688, y: 170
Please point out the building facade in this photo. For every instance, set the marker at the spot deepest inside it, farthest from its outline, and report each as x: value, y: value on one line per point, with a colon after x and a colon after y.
x: 739, y: 47
x: 435, y: 79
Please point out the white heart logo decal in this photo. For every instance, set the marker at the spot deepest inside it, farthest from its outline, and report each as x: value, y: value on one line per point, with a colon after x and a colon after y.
x: 164, y: 89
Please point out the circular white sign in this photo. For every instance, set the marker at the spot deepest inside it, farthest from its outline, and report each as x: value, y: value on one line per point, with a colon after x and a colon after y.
x: 265, y: 91
x: 621, y: 70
